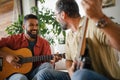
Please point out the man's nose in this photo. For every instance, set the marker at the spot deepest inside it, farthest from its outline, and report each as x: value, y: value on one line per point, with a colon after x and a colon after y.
x: 35, y: 27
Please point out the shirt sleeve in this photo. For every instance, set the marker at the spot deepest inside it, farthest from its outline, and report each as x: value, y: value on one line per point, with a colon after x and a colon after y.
x: 96, y: 34
x: 67, y: 49
x: 6, y: 42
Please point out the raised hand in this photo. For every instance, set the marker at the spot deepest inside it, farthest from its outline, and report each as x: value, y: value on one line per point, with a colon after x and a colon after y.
x: 93, y: 9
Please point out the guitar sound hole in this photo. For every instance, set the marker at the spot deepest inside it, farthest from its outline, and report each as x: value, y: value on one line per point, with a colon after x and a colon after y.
x: 21, y: 60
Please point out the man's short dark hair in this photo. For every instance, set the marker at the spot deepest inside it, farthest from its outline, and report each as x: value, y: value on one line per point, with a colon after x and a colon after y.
x: 68, y: 6
x: 29, y: 16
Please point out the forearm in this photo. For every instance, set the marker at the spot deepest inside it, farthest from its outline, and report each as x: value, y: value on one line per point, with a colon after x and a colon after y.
x: 2, y: 54
x: 68, y: 66
x: 68, y: 63
x: 112, y: 32
x: 93, y: 10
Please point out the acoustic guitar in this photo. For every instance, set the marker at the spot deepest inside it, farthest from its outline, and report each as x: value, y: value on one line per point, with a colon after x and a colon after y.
x: 26, y: 60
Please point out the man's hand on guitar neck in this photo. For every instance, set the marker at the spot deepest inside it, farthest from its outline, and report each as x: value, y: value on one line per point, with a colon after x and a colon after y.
x: 56, y: 58
x: 13, y: 60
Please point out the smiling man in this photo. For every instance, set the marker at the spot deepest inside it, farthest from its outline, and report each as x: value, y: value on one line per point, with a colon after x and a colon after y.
x: 31, y: 40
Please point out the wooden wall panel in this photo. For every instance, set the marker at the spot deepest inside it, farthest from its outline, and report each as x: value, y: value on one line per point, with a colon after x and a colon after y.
x: 6, y: 6
x: 6, y: 15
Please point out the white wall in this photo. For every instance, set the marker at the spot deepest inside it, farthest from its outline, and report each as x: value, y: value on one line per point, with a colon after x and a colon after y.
x: 27, y: 5
x: 114, y: 11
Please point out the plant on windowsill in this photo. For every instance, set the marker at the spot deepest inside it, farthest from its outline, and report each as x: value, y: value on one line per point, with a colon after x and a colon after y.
x: 49, y: 28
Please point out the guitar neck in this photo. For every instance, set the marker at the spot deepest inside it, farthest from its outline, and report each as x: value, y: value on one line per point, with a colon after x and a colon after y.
x: 36, y: 59
x: 41, y: 58
x: 82, y: 43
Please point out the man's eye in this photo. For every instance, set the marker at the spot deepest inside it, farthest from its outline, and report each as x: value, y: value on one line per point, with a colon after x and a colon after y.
x: 36, y: 24
x: 31, y: 25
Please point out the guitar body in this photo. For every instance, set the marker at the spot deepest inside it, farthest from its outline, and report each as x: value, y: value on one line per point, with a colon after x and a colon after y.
x: 8, y: 69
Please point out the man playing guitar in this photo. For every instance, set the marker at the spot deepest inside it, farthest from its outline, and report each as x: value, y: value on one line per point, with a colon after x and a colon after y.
x: 30, y: 40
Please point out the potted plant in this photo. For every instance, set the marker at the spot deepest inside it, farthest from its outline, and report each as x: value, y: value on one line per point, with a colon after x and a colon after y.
x: 49, y: 28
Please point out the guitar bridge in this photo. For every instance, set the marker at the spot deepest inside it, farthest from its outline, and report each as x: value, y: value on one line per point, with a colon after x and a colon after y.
x: 1, y: 63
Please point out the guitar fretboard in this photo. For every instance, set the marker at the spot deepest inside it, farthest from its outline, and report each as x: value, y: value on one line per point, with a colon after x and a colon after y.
x: 41, y: 58
x: 36, y: 58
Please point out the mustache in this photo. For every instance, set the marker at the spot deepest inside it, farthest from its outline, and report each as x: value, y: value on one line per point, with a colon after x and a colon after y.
x: 34, y: 30
x: 63, y: 26
x: 32, y: 35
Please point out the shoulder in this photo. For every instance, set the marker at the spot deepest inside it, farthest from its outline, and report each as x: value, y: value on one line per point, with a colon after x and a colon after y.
x: 15, y: 36
x: 82, y: 21
x: 68, y: 34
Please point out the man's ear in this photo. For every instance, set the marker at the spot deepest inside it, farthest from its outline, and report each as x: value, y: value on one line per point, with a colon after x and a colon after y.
x: 23, y: 26
x: 63, y: 15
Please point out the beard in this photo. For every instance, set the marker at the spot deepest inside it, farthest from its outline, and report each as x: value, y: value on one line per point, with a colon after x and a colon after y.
x: 64, y: 26
x: 34, y: 36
